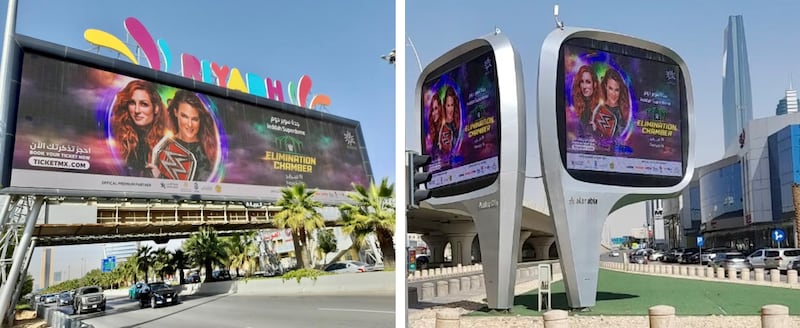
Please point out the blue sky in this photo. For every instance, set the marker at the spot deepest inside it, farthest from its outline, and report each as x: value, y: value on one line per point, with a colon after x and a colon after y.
x: 338, y: 44
x: 694, y: 29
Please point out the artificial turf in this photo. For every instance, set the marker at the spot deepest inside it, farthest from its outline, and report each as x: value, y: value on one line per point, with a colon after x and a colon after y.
x: 621, y: 293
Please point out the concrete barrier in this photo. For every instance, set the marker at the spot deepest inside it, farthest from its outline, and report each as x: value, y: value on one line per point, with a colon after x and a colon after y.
x: 465, y: 284
x: 369, y: 283
x: 475, y: 282
x: 791, y: 276
x: 448, y: 318
x: 774, y: 316
x: 556, y: 319
x: 441, y: 288
x: 774, y: 275
x: 682, y: 271
x: 746, y: 274
x: 428, y: 291
x: 661, y: 316
x: 709, y: 272
x: 455, y: 286
x: 732, y: 274
x: 759, y: 273
x: 720, y: 273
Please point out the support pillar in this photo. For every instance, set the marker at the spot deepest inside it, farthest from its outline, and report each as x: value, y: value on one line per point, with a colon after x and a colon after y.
x: 461, y: 246
x: 7, y: 290
x: 541, y: 246
x: 436, y: 245
x: 523, y: 236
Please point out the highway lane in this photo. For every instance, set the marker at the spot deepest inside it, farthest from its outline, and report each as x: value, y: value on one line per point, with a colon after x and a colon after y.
x: 243, y: 311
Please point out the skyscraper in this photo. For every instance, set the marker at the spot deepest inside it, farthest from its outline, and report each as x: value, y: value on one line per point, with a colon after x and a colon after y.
x: 789, y: 103
x: 737, y: 100
x: 46, y: 273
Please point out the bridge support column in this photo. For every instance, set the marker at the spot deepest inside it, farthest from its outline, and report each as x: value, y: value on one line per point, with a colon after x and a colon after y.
x: 541, y: 246
x: 461, y: 246
x: 7, y: 290
x: 436, y: 245
x: 523, y: 236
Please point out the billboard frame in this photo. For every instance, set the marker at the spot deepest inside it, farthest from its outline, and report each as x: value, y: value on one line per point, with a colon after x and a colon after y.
x: 25, y: 44
x: 578, y: 208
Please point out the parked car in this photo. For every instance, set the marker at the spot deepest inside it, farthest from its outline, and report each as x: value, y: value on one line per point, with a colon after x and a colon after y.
x: 423, y: 261
x: 346, y: 266
x: 65, y: 298
x: 730, y: 260
x: 773, y: 258
x: 614, y: 253
x: 656, y: 255
x: 193, y: 277
x: 50, y: 298
x: 156, y: 294
x: 89, y: 298
x: 220, y: 275
x: 640, y: 258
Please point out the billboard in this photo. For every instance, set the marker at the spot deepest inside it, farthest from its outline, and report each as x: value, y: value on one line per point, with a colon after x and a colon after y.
x: 85, y: 129
x: 461, y: 123
x: 621, y: 109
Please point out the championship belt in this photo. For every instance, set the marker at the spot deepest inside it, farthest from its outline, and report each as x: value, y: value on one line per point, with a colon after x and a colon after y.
x: 605, y: 122
x: 173, y: 160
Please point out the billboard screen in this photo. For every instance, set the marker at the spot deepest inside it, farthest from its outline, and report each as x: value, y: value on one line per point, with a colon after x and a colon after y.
x: 622, y: 112
x: 88, y: 129
x: 461, y: 123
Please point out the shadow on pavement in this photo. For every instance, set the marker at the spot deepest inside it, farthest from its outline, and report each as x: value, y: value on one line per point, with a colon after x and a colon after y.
x: 176, y: 312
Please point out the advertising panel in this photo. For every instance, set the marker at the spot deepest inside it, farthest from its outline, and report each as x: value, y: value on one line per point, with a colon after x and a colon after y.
x: 82, y: 128
x: 622, y: 110
x: 461, y: 122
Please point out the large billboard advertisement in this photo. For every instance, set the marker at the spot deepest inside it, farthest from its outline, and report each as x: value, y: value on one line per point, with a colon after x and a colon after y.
x: 622, y: 111
x: 88, y: 129
x: 461, y: 122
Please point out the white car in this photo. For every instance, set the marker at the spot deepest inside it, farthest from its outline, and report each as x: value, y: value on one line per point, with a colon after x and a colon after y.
x: 347, y: 266
x: 614, y: 253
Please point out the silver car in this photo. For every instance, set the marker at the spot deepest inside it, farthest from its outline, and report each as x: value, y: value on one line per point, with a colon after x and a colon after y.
x: 347, y: 266
x: 731, y: 260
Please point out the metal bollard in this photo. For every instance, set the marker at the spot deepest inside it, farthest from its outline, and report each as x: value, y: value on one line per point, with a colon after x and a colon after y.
x: 774, y: 275
x: 448, y: 318
x: 661, y: 316
x: 428, y: 291
x: 556, y: 319
x: 413, y: 296
x: 774, y: 316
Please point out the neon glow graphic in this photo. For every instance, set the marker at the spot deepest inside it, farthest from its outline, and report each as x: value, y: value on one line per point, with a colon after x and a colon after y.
x: 203, y: 70
x: 622, y: 113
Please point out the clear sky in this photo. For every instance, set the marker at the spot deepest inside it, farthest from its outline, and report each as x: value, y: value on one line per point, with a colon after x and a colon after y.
x: 339, y: 44
x: 694, y: 29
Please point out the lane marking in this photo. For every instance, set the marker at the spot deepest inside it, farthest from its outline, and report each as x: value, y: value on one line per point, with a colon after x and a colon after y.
x: 355, y: 310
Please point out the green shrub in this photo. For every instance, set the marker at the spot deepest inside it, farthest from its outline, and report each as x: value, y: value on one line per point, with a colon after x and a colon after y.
x: 303, y: 273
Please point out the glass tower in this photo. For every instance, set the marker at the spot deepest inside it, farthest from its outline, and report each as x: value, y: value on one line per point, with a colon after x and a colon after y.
x: 737, y: 100
x: 788, y: 104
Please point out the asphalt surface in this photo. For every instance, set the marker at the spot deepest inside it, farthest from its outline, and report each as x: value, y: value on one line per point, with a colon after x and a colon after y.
x: 249, y: 311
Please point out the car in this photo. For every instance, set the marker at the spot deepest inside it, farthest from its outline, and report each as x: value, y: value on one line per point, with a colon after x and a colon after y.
x: 89, y: 298
x: 656, y: 255
x: 65, y: 298
x: 133, y: 292
x: 220, y: 275
x: 423, y: 261
x: 614, y: 253
x: 193, y: 277
x: 773, y: 258
x: 346, y: 266
x: 156, y: 294
x: 730, y: 260
x: 50, y: 298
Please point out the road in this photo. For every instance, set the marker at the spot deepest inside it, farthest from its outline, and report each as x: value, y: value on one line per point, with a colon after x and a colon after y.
x: 245, y: 311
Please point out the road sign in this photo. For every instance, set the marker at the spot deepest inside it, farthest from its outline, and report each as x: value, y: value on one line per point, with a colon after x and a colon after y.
x: 778, y: 235
x: 700, y: 241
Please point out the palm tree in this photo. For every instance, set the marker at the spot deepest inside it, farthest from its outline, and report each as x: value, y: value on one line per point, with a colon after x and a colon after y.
x: 144, y: 260
x: 130, y: 268
x: 206, y: 248
x: 180, y: 261
x: 300, y: 214
x: 243, y: 251
x: 372, y: 210
x: 162, y: 262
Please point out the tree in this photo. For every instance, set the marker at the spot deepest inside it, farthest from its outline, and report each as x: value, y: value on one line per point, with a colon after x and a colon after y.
x: 27, y: 287
x: 180, y: 261
x: 299, y: 214
x: 162, y: 262
x: 206, y: 248
x: 327, y: 243
x: 144, y: 260
x: 372, y: 210
x: 243, y: 251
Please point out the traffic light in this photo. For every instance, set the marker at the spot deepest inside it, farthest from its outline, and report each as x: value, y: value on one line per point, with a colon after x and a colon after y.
x: 417, y: 176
